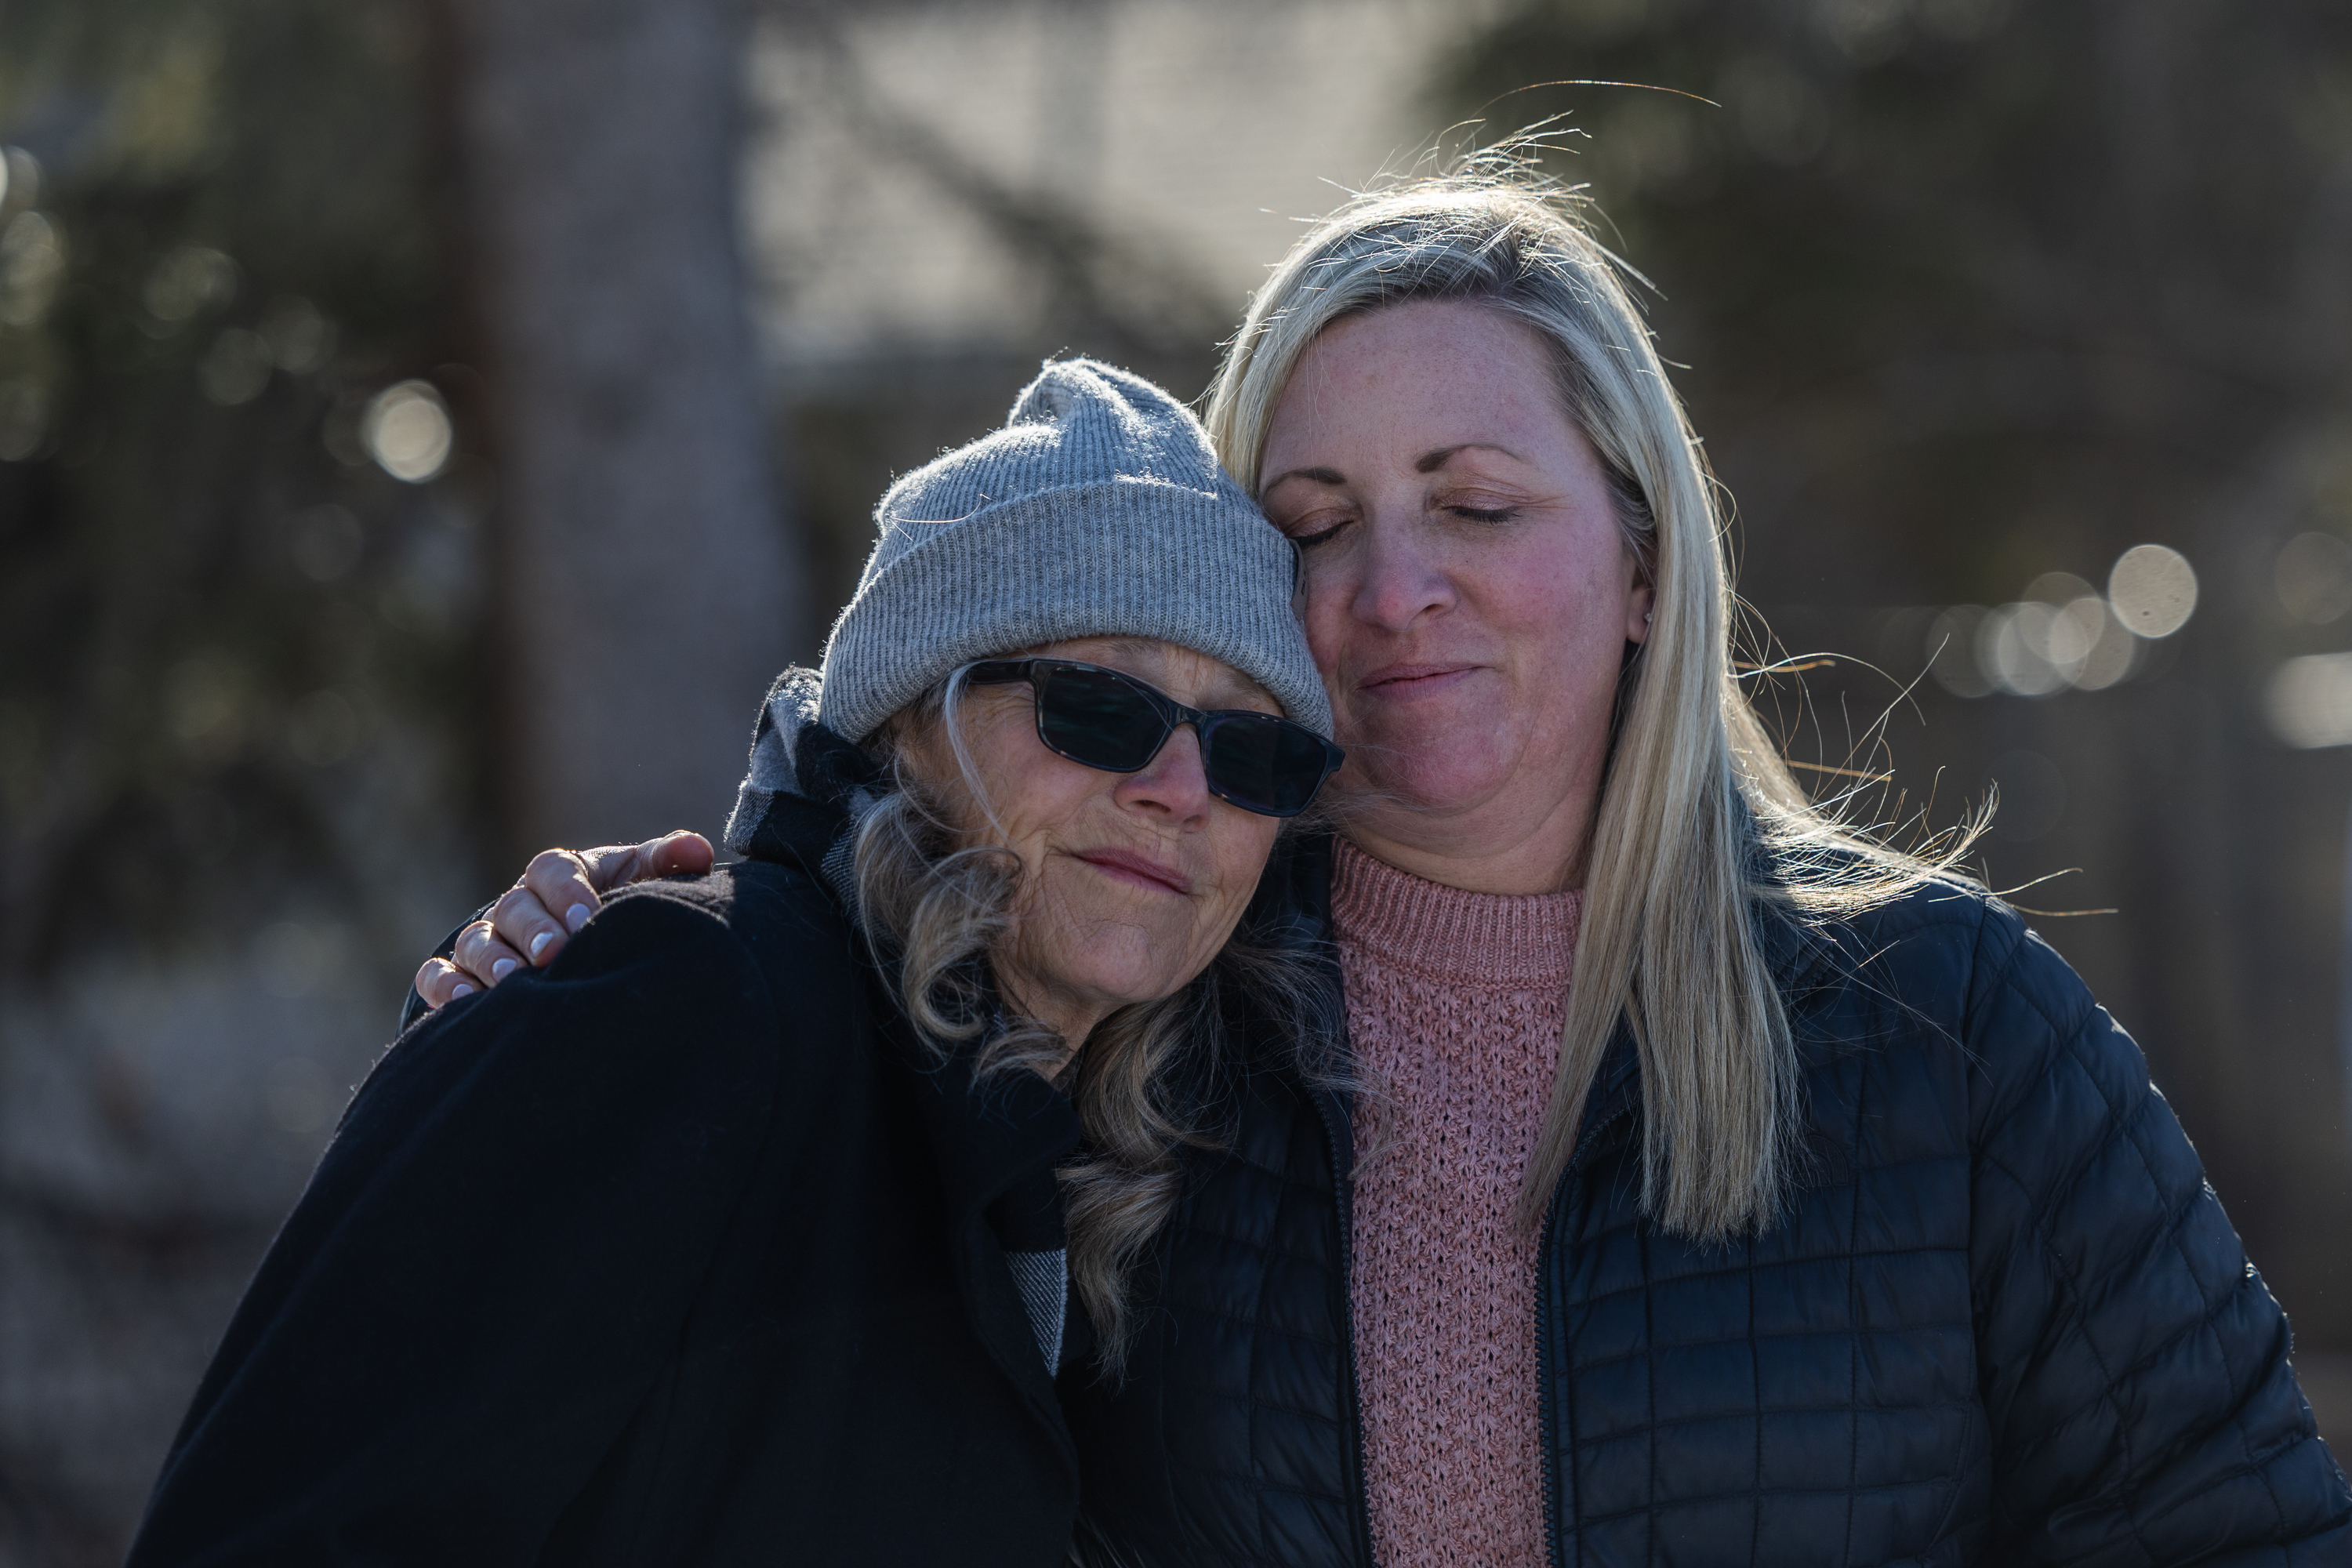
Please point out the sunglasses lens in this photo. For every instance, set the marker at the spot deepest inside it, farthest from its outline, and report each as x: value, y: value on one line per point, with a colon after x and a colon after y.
x: 1264, y: 765
x: 1097, y: 718
x: 1106, y: 720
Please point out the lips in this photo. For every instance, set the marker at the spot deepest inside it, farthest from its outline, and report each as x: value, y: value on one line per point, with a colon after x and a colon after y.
x: 1138, y: 869
x: 1411, y: 679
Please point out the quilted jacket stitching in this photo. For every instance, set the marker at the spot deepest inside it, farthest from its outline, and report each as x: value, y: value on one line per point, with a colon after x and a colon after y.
x: 2069, y: 1044
x: 1794, y: 1262
x: 1909, y: 1326
x: 1668, y: 1423
x: 2121, y: 1123
x: 2054, y: 1425
x: 2077, y: 1305
x: 1716, y: 1499
x: 1956, y: 980
x: 2257, y: 1468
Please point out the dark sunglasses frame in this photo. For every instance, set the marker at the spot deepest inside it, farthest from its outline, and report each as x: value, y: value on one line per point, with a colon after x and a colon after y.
x: 1172, y: 715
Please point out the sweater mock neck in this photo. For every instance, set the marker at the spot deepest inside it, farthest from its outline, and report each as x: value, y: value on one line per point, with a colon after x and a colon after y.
x: 1502, y: 942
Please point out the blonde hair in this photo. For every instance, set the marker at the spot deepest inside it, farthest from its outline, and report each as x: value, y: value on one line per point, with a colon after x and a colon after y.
x: 1700, y: 823
x: 1141, y: 1082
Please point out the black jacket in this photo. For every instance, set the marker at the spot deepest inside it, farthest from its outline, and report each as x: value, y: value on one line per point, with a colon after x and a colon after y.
x: 2004, y: 1323
x: 671, y: 1253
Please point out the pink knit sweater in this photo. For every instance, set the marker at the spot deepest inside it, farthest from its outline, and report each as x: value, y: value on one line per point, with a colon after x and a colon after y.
x: 1454, y: 1002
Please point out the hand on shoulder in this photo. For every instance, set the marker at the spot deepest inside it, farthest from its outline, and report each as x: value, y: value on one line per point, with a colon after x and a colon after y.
x: 523, y: 928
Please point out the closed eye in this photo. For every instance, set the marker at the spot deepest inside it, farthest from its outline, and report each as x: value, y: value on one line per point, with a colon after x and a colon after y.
x: 1311, y: 535
x: 1483, y: 514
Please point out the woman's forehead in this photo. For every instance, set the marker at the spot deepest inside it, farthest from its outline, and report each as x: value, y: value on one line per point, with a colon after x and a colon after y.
x: 1415, y: 387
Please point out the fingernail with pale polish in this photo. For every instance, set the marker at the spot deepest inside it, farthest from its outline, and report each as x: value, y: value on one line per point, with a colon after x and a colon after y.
x: 577, y: 916
x: 461, y: 991
x: 539, y: 944
x: 503, y: 968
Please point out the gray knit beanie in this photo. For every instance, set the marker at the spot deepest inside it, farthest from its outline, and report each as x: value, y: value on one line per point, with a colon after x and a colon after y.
x: 1098, y: 511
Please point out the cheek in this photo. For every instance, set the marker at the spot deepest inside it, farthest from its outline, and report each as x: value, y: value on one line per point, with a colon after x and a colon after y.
x: 1563, y: 604
x: 1242, y: 854
x: 1323, y: 611
x: 1034, y: 794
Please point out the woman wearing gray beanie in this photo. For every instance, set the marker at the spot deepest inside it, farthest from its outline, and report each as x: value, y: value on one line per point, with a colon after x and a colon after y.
x: 750, y: 1225
x: 1742, y: 1191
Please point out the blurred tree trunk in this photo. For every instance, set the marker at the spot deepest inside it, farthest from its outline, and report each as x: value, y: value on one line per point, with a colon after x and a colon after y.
x: 649, y: 588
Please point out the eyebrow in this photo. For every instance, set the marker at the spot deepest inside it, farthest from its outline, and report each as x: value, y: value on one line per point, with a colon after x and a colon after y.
x: 1427, y: 463
x: 1321, y: 476
x: 1430, y: 462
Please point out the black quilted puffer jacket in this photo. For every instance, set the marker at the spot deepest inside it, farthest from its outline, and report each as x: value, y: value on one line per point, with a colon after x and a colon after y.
x: 2005, y: 1321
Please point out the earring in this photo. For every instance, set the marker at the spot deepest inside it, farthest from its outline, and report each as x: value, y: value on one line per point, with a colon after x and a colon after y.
x: 1646, y: 617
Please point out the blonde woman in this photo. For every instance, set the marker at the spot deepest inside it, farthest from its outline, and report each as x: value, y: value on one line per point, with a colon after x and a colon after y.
x: 735, y: 1234
x: 1726, y: 1188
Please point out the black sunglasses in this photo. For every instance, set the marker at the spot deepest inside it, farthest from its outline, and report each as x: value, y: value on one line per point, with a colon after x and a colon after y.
x: 1108, y: 719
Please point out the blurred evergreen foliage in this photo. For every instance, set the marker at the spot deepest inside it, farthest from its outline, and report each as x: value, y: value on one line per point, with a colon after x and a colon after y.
x: 1971, y: 290
x: 230, y: 642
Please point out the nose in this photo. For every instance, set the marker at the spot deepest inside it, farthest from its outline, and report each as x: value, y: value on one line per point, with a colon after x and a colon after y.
x: 1403, y: 580
x: 1174, y: 783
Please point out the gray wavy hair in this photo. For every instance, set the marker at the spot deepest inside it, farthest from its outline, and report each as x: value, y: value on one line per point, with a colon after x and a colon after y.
x: 1144, y: 1082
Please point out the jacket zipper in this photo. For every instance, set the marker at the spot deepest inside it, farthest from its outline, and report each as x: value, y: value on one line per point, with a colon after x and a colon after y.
x: 1555, y: 1551
x: 1359, y: 1505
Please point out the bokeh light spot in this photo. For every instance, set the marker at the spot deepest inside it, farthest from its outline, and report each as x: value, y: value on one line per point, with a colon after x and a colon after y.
x: 2058, y: 588
x: 301, y: 340
x: 407, y: 431
x: 2309, y: 701
x: 2013, y: 649
x: 2153, y: 590
x: 1951, y: 651
x: 20, y: 177
x: 23, y: 419
x: 2112, y: 651
x: 32, y: 262
x: 2314, y: 578
x: 236, y: 369
x: 190, y: 279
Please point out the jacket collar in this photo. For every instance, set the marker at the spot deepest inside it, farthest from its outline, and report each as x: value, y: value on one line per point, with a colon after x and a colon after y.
x: 806, y: 786
x: 986, y: 1134
x: 804, y: 791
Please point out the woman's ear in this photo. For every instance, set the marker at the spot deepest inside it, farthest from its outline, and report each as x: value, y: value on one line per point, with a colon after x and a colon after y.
x: 1640, y: 600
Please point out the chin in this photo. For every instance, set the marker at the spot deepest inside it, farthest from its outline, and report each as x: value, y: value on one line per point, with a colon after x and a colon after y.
x: 1447, y: 770
x: 1121, y: 965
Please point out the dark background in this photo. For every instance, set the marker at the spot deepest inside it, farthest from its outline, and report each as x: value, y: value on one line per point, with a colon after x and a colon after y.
x: 424, y: 428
